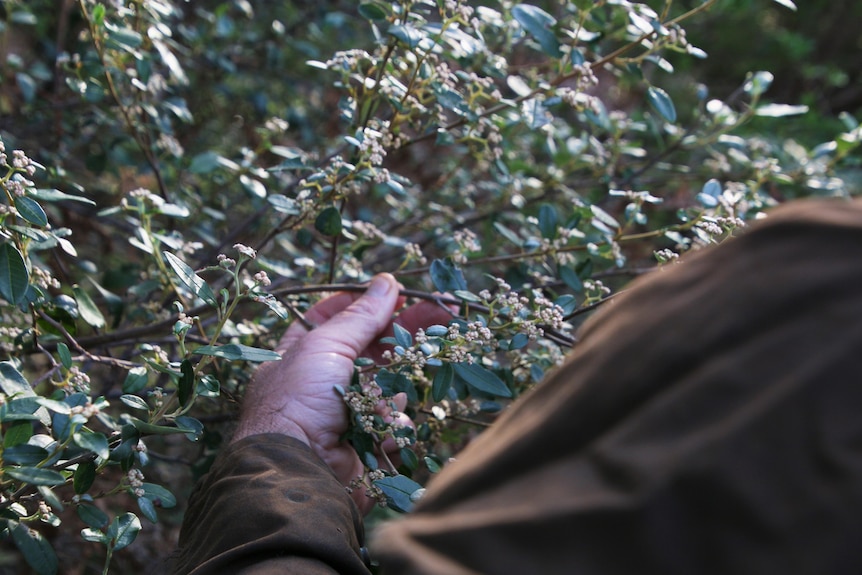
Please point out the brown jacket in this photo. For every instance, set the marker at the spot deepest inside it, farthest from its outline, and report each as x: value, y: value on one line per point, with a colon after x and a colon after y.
x: 709, y: 422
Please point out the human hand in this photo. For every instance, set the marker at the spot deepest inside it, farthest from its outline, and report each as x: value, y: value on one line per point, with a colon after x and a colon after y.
x: 296, y: 396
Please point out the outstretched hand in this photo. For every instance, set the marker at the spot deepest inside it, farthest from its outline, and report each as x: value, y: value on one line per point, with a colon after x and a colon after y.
x: 296, y: 396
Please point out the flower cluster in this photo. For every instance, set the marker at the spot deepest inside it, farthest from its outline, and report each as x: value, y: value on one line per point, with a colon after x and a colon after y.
x: 245, y: 250
x: 367, y: 231
x: 142, y: 198
x: 458, y: 9
x: 666, y: 256
x: 595, y: 290
x: 372, y: 147
x: 466, y: 242
x: 225, y: 262
x: 87, y: 410
x: 77, y: 380
x: 135, y: 477
x: 414, y: 253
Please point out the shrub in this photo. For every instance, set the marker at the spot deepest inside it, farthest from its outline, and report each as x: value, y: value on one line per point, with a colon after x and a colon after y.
x: 525, y: 159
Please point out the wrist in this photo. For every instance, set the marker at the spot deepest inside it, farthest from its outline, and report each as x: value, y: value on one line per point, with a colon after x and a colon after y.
x: 282, y: 426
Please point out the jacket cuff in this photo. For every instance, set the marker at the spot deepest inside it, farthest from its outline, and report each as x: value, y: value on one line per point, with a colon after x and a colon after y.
x: 270, y: 504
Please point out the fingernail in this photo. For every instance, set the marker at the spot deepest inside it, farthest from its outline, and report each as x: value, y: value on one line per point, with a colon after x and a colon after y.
x: 378, y: 287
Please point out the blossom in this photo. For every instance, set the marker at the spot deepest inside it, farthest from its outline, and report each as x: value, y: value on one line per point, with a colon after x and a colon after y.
x: 245, y: 250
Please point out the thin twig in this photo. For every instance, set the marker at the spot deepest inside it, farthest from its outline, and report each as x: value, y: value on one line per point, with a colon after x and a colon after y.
x: 458, y: 418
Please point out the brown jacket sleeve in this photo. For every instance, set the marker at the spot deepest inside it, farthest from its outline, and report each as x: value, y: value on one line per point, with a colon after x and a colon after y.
x: 708, y: 423
x: 270, y: 506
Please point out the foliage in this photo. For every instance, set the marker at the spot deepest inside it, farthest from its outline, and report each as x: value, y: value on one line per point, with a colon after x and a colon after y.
x: 524, y: 159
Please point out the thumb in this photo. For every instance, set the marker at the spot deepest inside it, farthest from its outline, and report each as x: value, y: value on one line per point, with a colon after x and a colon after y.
x: 356, y: 326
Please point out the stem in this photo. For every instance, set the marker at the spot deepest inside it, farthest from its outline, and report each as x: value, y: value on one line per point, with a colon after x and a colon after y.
x: 460, y: 418
x: 140, y: 139
x: 563, y: 77
x: 108, y: 556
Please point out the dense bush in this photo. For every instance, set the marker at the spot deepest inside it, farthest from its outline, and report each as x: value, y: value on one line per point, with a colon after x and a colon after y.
x: 181, y: 180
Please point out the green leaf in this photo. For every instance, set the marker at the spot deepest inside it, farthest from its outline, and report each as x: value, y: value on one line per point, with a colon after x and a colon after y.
x: 467, y: 296
x: 208, y: 386
x: 24, y: 454
x: 758, y: 82
x: 193, y: 428
x: 454, y: 101
x: 274, y: 305
x: 50, y: 498
x: 35, y: 475
x: 402, y: 336
x: 662, y: 103
x: 519, y: 341
x: 204, y: 163
x: 548, y: 221
x: 409, y: 458
x: 779, y: 110
x: 94, y: 536
x: 538, y: 24
x: 88, y: 310
x: 31, y: 211
x: 82, y: 480
x: 252, y: 186
x: 328, y: 222
x: 571, y: 279
x: 481, y: 379
x: 442, y: 382
x: 123, y: 38
x: 710, y: 193
x: 159, y: 495
x: 54, y: 405
x: 508, y: 234
x: 432, y: 464
x: 786, y: 4
x: 98, y: 15
x: 602, y: 216
x: 25, y: 18
x: 65, y: 355
x: 123, y: 530
x: 136, y: 380
x: 18, y: 433
x: 372, y: 11
x: 26, y: 86
x: 95, y: 442
x: 36, y: 550
x: 407, y: 34
x: 400, y: 492
x: 446, y: 276
x: 186, y: 384
x: 175, y: 68
x: 535, y: 113
x: 14, y: 277
x: 153, y: 429
x: 391, y: 383
x: 12, y: 382
x: 134, y: 402
x: 567, y: 302
x: 193, y: 282
x: 236, y: 352
x: 436, y: 330
x: 283, y: 204
x: 148, y: 509
x: 58, y: 196
x: 92, y: 516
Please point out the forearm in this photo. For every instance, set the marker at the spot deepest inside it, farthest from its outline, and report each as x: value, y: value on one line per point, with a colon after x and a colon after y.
x: 269, y: 505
